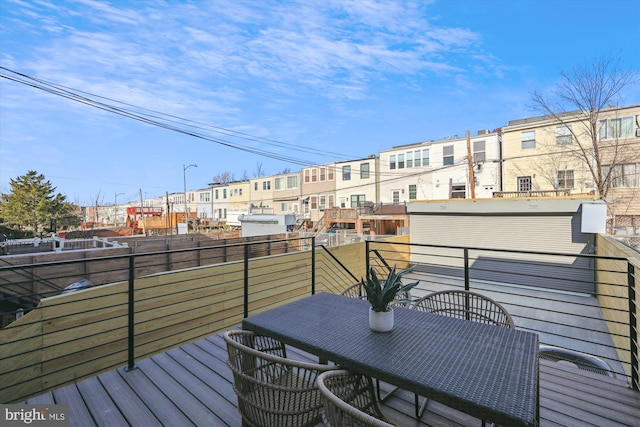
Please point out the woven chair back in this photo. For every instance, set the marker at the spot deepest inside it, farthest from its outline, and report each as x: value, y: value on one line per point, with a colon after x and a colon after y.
x: 271, y: 389
x: 349, y: 400
x: 466, y: 305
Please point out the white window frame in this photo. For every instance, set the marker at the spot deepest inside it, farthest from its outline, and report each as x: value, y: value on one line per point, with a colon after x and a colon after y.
x: 528, y: 139
x: 563, y: 135
x: 447, y: 155
x: 525, y: 183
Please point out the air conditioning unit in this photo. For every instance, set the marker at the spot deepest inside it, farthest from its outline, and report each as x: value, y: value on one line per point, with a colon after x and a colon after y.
x: 638, y: 132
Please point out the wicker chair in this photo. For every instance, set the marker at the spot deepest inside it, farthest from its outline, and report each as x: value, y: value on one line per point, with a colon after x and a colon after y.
x: 349, y: 400
x: 466, y: 305
x: 462, y: 305
x: 271, y: 389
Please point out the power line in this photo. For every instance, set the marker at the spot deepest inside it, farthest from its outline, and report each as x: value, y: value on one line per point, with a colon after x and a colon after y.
x: 167, y: 121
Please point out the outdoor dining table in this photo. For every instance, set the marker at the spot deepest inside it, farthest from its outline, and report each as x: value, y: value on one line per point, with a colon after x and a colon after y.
x: 483, y: 370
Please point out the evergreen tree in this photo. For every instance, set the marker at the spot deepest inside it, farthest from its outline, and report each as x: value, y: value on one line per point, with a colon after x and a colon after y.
x: 32, y: 203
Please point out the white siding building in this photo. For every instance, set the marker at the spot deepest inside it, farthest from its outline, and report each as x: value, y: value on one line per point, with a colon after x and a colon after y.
x: 437, y: 170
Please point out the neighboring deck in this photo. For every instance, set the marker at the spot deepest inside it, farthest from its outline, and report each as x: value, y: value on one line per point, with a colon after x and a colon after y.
x: 192, y: 385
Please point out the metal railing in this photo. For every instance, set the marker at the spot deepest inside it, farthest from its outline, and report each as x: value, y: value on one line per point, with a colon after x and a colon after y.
x: 62, y: 337
x: 156, y: 301
x: 585, y: 304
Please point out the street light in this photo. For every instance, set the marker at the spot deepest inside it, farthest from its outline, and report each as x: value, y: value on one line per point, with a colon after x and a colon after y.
x: 115, y: 204
x: 184, y: 176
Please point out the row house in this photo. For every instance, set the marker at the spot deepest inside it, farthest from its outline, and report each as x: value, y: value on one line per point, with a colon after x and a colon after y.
x: 229, y: 200
x: 556, y: 156
x: 443, y: 169
x: 261, y: 194
x: 533, y: 156
x: 318, y: 191
x: 287, y: 192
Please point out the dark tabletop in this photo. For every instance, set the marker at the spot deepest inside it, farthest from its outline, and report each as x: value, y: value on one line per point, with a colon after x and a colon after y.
x: 487, y: 371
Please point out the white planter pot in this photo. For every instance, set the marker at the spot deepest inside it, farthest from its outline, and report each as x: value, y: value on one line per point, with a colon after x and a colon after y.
x: 381, y: 321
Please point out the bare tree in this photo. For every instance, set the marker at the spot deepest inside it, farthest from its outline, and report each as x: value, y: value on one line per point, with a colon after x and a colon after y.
x: 223, y: 178
x: 259, y: 171
x: 581, y: 97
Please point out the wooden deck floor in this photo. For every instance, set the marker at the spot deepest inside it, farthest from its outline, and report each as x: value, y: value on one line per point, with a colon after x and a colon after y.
x: 192, y: 385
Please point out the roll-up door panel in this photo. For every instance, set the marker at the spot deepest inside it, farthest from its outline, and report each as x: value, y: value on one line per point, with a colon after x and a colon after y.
x: 539, y: 233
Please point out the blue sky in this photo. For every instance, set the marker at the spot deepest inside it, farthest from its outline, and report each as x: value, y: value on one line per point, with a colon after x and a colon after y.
x: 289, y: 82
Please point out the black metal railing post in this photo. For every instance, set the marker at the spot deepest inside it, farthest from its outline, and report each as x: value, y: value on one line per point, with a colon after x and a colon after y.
x: 131, y: 320
x: 246, y: 280
x: 313, y: 265
x: 466, y: 269
x: 366, y: 257
x: 633, y: 327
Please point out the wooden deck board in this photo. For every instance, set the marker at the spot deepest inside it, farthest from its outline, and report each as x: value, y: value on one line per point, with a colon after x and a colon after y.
x: 161, y: 405
x: 132, y: 407
x: 192, y: 385
x: 179, y: 394
x: 102, y: 408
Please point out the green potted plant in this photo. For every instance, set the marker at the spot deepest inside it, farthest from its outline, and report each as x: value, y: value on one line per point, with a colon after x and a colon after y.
x: 381, y: 293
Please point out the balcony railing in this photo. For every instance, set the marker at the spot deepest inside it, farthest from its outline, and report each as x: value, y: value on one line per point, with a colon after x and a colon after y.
x: 66, y: 337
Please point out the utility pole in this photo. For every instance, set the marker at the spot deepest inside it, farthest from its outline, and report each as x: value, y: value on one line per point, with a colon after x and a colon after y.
x: 472, y: 184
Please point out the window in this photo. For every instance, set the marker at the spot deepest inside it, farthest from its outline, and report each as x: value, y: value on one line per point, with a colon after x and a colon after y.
x: 255, y: 186
x: 425, y: 157
x: 306, y: 175
x: 205, y: 197
x: 278, y: 184
x: 410, y: 159
x: 417, y: 157
x: 392, y: 161
x: 322, y: 202
x: 330, y: 173
x: 524, y: 183
x: 284, y: 207
x: 224, y: 193
x: 458, y: 191
x: 395, y: 197
x: 616, y: 128
x: 364, y: 171
x: 343, y: 202
x: 479, y: 153
x: 266, y: 185
x: 565, y: 179
x: 413, y: 192
x: 346, y: 173
x: 323, y: 174
x: 240, y: 191
x: 400, y: 161
x: 563, y: 135
x: 528, y: 139
x: 627, y: 175
x: 225, y: 213
x: 357, y: 199
x: 314, y: 175
x: 314, y: 202
x: 292, y: 181
x: 217, y: 194
x: 447, y: 155
x: 631, y: 175
x: 331, y: 201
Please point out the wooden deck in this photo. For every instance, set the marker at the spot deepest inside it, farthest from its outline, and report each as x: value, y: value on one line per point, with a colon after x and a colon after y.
x: 192, y: 385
